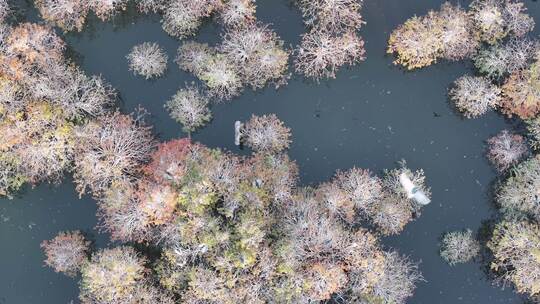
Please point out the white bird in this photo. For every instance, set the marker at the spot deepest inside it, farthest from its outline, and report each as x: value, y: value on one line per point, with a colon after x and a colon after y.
x: 238, y: 132
x: 413, y: 191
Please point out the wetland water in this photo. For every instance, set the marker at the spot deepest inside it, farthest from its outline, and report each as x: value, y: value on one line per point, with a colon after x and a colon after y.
x: 371, y: 116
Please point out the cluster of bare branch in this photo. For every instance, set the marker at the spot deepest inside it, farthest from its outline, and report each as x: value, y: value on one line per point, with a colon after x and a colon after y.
x: 219, y: 73
x: 66, y: 252
x: 495, y: 19
x: 500, y: 60
x: 506, y: 150
x: 399, y: 279
x: 250, y: 55
x: 266, y: 134
x: 321, y: 54
x: 237, y: 13
x: 454, y: 34
x: 518, y: 193
x: 119, y: 276
x: 212, y: 214
x: 358, y: 194
x: 42, y: 101
x: 182, y: 18
x: 106, y: 9
x: 473, y: 96
x: 421, y: 41
x: 151, y: 6
x: 521, y: 92
x: 148, y: 59
x: 351, y: 193
x: 111, y: 149
x: 515, y: 246
x: 4, y: 10
x: 71, y: 15
x: 189, y: 107
x: 533, y: 126
x: 459, y: 247
x: 66, y: 14
x: 259, y: 53
x: 334, y: 16
x: 332, y: 40
x: 334, y: 259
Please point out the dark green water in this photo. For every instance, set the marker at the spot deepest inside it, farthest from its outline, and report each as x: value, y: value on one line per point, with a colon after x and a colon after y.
x: 371, y: 116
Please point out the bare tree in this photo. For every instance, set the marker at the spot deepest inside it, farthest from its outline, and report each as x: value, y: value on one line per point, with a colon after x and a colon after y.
x: 11, y: 176
x: 221, y: 76
x: 416, y: 42
x: 515, y: 247
x: 521, y: 93
x: 50, y: 156
x: 533, y: 126
x: 237, y: 13
x: 148, y: 59
x: 334, y: 16
x: 67, y: 14
x: 112, y: 148
x: 112, y: 276
x: 391, y: 214
x: 518, y: 193
x: 500, y: 60
x: 506, y: 150
x: 189, y: 107
x: 121, y: 214
x: 266, y: 134
x: 182, y: 18
x: 488, y: 17
x: 421, y: 41
x: 29, y: 47
x: 518, y: 22
x: 66, y: 252
x: 105, y: 9
x: 459, y: 247
x: 4, y: 10
x: 77, y: 94
x: 399, y: 279
x: 474, y: 96
x: 192, y: 56
x: 361, y: 186
x: 321, y: 54
x: 151, y: 6
x: 258, y: 52
x: 458, y: 41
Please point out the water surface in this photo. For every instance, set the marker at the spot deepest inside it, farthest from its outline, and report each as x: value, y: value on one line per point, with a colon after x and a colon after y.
x: 371, y: 116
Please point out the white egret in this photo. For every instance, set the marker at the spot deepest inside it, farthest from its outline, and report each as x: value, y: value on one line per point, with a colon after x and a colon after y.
x: 238, y: 132
x: 413, y: 192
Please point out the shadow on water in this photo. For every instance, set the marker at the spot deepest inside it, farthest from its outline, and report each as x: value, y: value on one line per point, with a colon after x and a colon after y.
x: 371, y: 116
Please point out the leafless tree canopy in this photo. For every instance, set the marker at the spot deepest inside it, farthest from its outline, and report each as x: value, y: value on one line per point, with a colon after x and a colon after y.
x: 237, y: 13
x: 506, y: 150
x: 189, y: 107
x: 501, y: 60
x: 321, y: 54
x: 459, y: 247
x: 335, y: 16
x: 258, y: 52
x: 266, y: 134
x: 66, y: 252
x: 473, y: 96
x: 182, y: 18
x: 219, y: 73
x: 111, y: 149
x: 515, y: 246
x: 148, y: 59
x: 518, y: 193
